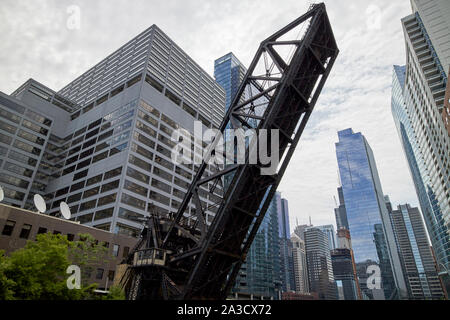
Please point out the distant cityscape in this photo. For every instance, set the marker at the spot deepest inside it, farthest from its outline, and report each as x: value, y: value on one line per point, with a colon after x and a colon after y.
x: 102, y: 144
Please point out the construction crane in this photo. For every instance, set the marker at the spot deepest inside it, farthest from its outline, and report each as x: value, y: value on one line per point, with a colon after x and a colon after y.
x: 184, y: 255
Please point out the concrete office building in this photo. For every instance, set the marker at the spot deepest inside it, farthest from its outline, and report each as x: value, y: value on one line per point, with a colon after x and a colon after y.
x: 426, y: 32
x: 368, y: 219
x: 103, y: 143
x: 17, y: 226
x: 300, y: 270
x: 329, y: 232
x: 417, y: 259
x: 320, y: 270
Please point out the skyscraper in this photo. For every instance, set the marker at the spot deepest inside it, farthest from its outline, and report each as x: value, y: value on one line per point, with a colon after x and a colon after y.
x: 300, y: 269
x: 103, y: 143
x: 286, y: 257
x: 320, y: 270
x: 368, y: 220
x: 329, y: 232
x: 425, y: 137
x: 340, y: 213
x: 259, y: 276
x: 417, y: 260
x: 229, y: 73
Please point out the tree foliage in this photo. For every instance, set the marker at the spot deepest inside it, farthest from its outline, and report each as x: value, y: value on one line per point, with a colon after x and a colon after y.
x: 38, y: 271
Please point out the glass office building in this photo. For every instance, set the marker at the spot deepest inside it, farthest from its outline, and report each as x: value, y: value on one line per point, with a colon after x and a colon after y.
x: 426, y: 32
x: 367, y: 212
x: 259, y: 276
x: 417, y: 259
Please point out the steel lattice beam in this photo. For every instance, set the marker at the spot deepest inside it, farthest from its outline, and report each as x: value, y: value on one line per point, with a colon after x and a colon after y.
x: 204, y: 264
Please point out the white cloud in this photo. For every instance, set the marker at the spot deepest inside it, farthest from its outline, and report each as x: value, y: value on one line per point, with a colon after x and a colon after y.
x: 36, y: 43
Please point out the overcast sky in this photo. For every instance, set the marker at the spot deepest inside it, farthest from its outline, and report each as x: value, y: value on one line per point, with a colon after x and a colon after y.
x: 38, y: 40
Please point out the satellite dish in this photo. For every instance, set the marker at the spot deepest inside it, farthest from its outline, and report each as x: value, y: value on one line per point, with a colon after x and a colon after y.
x: 2, y: 194
x: 65, y: 210
x: 39, y: 203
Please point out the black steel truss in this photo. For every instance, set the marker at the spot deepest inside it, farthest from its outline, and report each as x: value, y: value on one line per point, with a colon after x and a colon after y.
x: 278, y: 92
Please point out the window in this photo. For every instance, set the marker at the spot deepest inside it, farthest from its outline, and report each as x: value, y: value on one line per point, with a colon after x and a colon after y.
x: 86, y: 153
x: 42, y: 230
x: 118, y: 149
x: 94, y: 180
x: 27, y: 147
x: 8, y: 228
x: 113, y: 173
x: 173, y: 97
x: 106, y: 200
x: 86, y: 218
x: 126, y: 250
x: 134, y: 80
x: 80, y: 175
x: 148, y: 118
x: 138, y: 175
x: 169, y: 121
x: 88, y: 205
x: 74, y: 198
x: 126, y: 230
x: 142, y: 139
x: 110, y: 186
x: 70, y: 236
x: 77, y: 186
x: 91, y: 192
x: 132, y: 201
x: 7, y: 127
x: 140, y: 163
x: 94, y: 124
x: 159, y: 197
x: 163, y: 174
x: 104, y: 214
x: 116, y: 250
x: 160, y: 185
x: 129, y: 215
x: 61, y: 192
x: 111, y: 275
x: 145, y: 128
x: 30, y: 137
x: 25, y: 232
x: 100, y: 156
x: 164, y: 163
x: 56, y: 232
x: 149, y: 108
x: 155, y: 84
x: 133, y: 187
x: 99, y: 274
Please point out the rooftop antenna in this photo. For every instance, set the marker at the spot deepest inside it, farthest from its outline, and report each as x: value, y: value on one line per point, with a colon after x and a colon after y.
x: 296, y: 220
x: 335, y: 202
x: 310, y: 221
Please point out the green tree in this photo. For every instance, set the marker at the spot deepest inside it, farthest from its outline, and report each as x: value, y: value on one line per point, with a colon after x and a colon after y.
x: 115, y: 293
x: 38, y: 271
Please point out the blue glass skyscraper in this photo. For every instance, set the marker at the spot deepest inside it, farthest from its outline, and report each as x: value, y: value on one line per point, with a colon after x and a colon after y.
x: 229, y: 73
x: 368, y: 219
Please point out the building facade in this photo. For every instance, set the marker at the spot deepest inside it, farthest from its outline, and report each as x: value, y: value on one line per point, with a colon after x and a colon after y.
x: 417, y: 259
x: 286, y: 246
x: 426, y: 32
x: 368, y: 220
x: 320, y: 270
x: 259, y: 276
x: 103, y: 143
x: 340, y: 212
x: 17, y: 226
x: 300, y: 266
